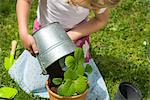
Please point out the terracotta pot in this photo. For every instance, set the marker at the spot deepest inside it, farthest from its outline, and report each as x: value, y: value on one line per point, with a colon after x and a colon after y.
x: 54, y: 96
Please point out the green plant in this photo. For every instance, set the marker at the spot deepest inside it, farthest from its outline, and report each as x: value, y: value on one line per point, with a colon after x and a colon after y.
x: 75, y: 81
x: 117, y: 49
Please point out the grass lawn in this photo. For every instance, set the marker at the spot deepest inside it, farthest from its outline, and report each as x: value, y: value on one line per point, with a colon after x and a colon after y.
x: 119, y: 49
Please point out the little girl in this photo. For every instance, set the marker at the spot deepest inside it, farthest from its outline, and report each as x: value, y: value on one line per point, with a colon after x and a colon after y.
x: 71, y: 14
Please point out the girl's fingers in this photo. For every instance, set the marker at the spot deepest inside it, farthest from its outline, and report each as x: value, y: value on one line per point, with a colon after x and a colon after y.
x: 33, y: 47
x: 30, y: 49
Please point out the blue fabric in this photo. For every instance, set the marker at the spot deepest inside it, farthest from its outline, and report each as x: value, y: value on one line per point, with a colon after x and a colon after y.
x: 97, y: 90
x: 26, y: 72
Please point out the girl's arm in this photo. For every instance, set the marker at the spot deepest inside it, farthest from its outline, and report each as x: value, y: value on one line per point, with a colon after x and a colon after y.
x: 90, y: 26
x: 22, y: 9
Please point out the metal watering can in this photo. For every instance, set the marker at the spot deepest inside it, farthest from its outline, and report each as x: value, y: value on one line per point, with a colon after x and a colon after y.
x: 53, y: 44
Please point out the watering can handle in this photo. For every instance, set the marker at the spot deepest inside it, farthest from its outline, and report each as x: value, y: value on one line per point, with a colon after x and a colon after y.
x: 13, y: 46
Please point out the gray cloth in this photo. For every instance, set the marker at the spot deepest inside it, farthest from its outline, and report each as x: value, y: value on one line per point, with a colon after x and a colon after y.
x: 26, y: 72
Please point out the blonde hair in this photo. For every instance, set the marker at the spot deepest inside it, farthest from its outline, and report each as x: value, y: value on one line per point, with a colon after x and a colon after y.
x: 93, y: 3
x: 112, y: 2
x: 104, y: 3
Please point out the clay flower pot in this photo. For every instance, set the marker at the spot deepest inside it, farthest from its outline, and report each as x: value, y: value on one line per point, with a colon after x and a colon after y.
x: 54, y: 96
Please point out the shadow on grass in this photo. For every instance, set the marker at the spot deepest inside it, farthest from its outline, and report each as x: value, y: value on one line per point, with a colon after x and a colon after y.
x: 116, y: 69
x: 6, y: 6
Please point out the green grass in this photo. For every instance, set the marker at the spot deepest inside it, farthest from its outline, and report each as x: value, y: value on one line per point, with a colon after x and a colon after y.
x: 117, y: 49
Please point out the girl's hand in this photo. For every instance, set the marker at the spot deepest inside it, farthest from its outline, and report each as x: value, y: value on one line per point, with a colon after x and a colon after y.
x: 29, y: 43
x: 74, y: 35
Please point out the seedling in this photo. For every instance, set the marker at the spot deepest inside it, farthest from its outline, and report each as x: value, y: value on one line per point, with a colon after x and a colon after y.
x: 75, y: 80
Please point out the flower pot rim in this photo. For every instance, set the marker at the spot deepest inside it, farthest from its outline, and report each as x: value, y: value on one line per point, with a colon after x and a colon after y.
x: 58, y: 96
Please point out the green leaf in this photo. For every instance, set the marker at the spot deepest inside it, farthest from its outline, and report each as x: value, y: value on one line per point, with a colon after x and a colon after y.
x: 80, y: 70
x: 71, y: 90
x: 80, y: 84
x: 70, y: 62
x: 70, y: 74
x: 75, y: 94
x: 60, y: 90
x: 79, y: 55
x: 57, y: 81
x: 88, y: 69
x: 8, y: 92
x: 66, y: 89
